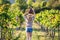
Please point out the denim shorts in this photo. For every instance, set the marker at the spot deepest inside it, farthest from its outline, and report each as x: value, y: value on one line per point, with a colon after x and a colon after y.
x: 29, y: 29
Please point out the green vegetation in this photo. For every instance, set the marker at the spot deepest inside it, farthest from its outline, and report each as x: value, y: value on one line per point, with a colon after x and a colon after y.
x: 49, y: 18
x: 11, y: 19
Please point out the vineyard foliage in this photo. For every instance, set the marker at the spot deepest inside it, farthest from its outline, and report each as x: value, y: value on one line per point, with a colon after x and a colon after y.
x: 48, y: 18
x: 3, y: 15
x: 11, y: 16
x: 15, y: 15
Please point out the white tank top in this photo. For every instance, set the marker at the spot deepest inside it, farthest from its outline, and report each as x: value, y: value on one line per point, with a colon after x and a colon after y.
x: 29, y: 23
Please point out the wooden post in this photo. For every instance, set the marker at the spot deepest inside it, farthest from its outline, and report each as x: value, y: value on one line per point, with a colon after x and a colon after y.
x: 0, y: 32
x: 53, y: 34
x: 59, y: 32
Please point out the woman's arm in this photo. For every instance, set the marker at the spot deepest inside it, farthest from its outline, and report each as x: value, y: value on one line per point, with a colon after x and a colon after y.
x: 33, y: 11
x: 24, y: 16
x: 33, y: 14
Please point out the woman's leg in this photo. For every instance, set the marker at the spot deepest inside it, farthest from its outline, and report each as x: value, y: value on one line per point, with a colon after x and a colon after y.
x: 30, y: 35
x: 27, y: 36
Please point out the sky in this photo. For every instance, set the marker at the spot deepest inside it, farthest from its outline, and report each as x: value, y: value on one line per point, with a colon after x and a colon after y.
x: 12, y: 1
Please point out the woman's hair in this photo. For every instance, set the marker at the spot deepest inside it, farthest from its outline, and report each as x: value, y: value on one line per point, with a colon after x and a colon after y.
x: 29, y: 11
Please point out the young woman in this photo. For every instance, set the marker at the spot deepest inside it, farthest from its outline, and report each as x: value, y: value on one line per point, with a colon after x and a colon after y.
x: 29, y: 17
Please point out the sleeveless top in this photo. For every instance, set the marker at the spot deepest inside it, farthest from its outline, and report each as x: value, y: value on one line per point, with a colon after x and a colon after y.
x: 29, y: 23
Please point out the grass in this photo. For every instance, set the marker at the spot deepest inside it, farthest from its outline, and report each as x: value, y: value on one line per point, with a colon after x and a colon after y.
x: 36, y: 35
